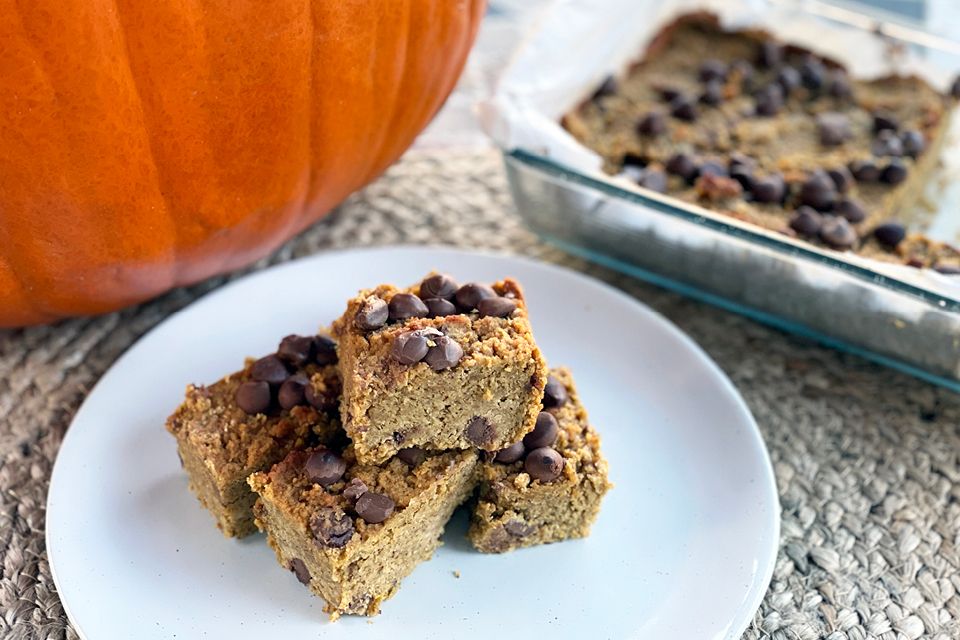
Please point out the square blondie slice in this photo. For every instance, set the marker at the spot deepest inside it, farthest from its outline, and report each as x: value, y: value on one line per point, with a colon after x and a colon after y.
x: 352, y: 532
x: 548, y: 486
x: 438, y: 366
x: 250, y: 419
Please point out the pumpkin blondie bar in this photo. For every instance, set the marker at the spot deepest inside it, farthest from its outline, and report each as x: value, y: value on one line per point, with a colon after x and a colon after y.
x: 438, y: 366
x: 250, y: 419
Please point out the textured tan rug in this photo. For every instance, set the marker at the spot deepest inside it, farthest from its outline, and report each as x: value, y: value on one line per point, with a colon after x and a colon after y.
x: 867, y: 460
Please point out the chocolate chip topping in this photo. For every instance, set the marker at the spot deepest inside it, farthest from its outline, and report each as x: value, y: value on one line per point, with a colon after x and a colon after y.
x: 293, y: 391
x: 651, y: 124
x: 712, y: 168
x: 885, y: 122
x: 331, y: 527
x: 769, y: 100
x: 842, y: 178
x: 480, y: 432
x: 838, y: 233
x: 253, y: 397
x: 324, y: 350
x: 300, y: 570
x: 890, y: 234
x: 498, y: 307
x: 324, y: 467
x: 374, y: 508
x: 813, y: 74
x: 412, y: 346
x: 838, y: 84
x: 510, y: 454
x: 771, y: 54
x: 406, y: 305
x: 445, y: 353
x: 806, y: 221
x: 851, y: 209
x: 543, y: 464
x: 319, y: 400
x: 894, y: 173
x: 544, y: 434
x: 472, y: 293
x: 683, y: 165
x: 607, y: 88
x: 865, y: 170
x: 554, y: 393
x: 818, y: 191
x: 712, y: 69
x: 354, y: 489
x: 769, y: 189
x: 296, y: 350
x: 439, y: 285
x: 682, y: 108
x: 517, y: 528
x: 833, y: 128
x: 412, y: 455
x: 373, y: 314
x: 269, y: 369
x: 439, y: 307
x: 913, y: 143
x: 789, y: 79
x: 712, y: 93
x: 887, y: 143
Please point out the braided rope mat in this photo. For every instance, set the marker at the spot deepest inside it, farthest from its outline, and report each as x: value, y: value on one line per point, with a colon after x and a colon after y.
x: 867, y: 460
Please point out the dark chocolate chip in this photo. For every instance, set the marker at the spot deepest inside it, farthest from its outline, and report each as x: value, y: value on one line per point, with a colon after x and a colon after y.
x: 712, y: 168
x: 472, y: 293
x: 324, y: 350
x: 296, y: 350
x: 631, y: 159
x: 886, y: 143
x: 445, y: 353
x: 544, y: 464
x: 770, y: 55
x: 511, y: 454
x: 683, y: 165
x: 947, y: 269
x: 517, y: 528
x: 838, y: 85
x: 833, y: 128
x: 269, y: 369
x: 300, y: 570
x: 885, y: 122
x: 712, y: 94
x: 607, y: 88
x: 318, y: 400
x: 372, y: 315
x: 806, y: 221
x: 354, y: 489
x: 769, y: 190
x: 652, y: 124
x: 842, y: 178
x: 544, y: 434
x: 668, y: 93
x: 439, y: 285
x: 813, y: 74
x: 331, y: 527
x: 498, y: 307
x: 769, y: 100
x: 439, y: 307
x: 865, y: 170
x: 410, y: 347
x: 324, y: 467
x: 253, y: 397
x: 412, y: 455
x: 293, y: 391
x: 838, y: 233
x: 480, y: 432
x: 653, y: 179
x: 894, y: 173
x: 851, y: 209
x: 789, y: 79
x: 406, y: 305
x: 913, y: 143
x: 890, y: 234
x: 744, y: 176
x: 712, y: 69
x: 554, y: 393
x: 374, y: 508
x: 682, y: 108
x: 818, y: 191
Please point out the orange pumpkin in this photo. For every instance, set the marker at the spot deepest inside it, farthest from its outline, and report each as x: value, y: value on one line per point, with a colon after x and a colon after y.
x: 146, y: 145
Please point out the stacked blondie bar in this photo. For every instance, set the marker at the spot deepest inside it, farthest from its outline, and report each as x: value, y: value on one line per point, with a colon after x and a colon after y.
x: 352, y: 450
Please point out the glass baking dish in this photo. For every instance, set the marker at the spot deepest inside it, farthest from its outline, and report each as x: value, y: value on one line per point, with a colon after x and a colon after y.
x: 895, y: 315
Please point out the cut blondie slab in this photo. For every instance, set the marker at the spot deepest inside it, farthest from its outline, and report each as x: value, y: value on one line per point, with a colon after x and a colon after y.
x: 438, y: 366
x: 547, y: 487
x: 250, y: 419
x: 352, y: 532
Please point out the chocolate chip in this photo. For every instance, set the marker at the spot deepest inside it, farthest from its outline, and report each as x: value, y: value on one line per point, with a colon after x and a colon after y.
x: 833, y: 128
x: 331, y: 527
x: 300, y: 570
x: 712, y: 69
x: 769, y: 100
x: 354, y: 489
x: 770, y: 189
x: 498, y: 307
x: 480, y: 432
x: 324, y: 350
x: 712, y: 94
x: 554, y: 393
x: 668, y: 93
x: 652, y: 124
x: 771, y: 54
x: 253, y: 397
x: 890, y: 234
x: 544, y: 434
x: 319, y: 400
x: 410, y: 347
x: 886, y: 143
x: 947, y: 269
x: 864, y: 170
x: 518, y: 529
x: 543, y: 464
x: 406, y: 305
x: 712, y: 168
x: 296, y: 350
x: 818, y: 191
x: 744, y: 176
x: 683, y: 165
x: 374, y: 508
x: 445, y: 353
x: 813, y: 74
x: 842, y: 178
x: 511, y: 454
x: 884, y: 122
x: 894, y: 173
x: 913, y: 143
x: 654, y: 179
x: 372, y: 315
x: 324, y: 467
x: 439, y: 307
x: 269, y: 369
x: 293, y: 391
x: 682, y: 108
x: 789, y: 79
x: 838, y: 85
x: 806, y: 221
x: 472, y: 293
x: 838, y: 233
x: 439, y: 285
x: 851, y: 209
x: 412, y: 455
x: 607, y: 88
x: 631, y: 159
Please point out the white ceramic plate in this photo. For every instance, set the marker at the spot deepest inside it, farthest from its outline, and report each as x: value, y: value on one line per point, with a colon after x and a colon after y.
x: 684, y: 546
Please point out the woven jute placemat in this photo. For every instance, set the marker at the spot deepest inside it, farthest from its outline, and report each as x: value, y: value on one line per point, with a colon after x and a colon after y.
x: 867, y: 460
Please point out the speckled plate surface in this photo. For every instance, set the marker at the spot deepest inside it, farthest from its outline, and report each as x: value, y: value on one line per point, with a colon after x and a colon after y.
x: 684, y: 546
